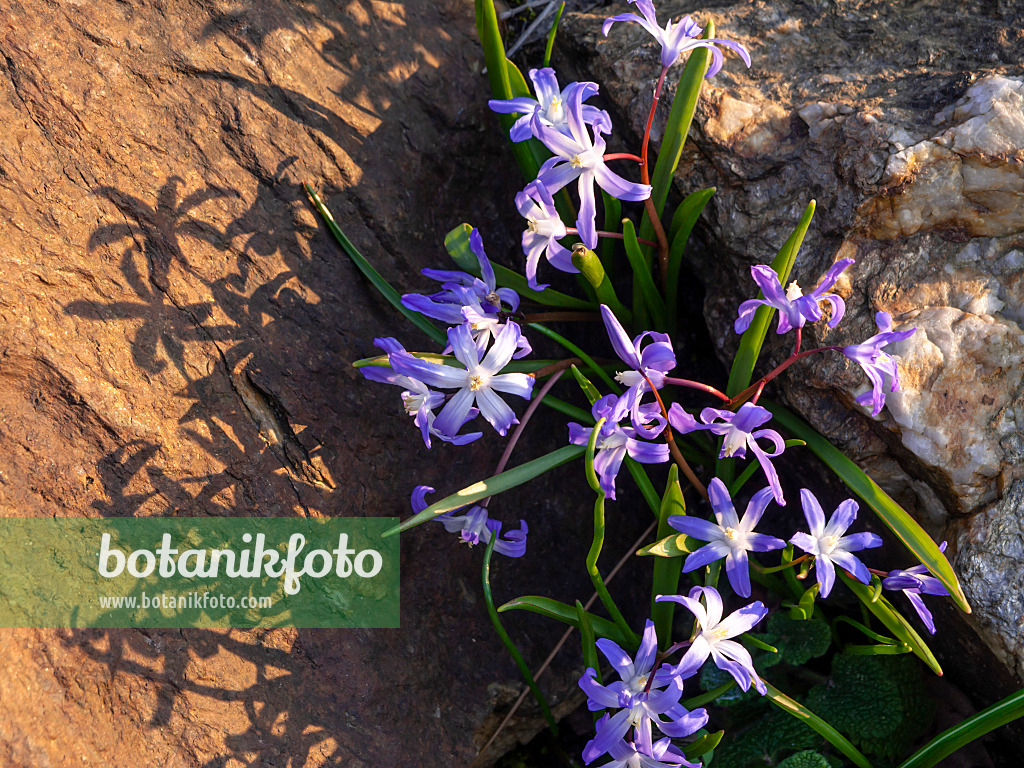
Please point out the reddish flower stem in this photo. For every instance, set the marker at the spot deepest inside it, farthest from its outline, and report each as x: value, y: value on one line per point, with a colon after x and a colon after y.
x: 645, y: 178
x: 622, y: 156
x: 697, y: 385
x: 674, y: 449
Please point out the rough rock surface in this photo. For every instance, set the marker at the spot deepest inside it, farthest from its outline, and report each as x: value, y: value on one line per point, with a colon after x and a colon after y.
x: 910, y: 136
x: 176, y: 337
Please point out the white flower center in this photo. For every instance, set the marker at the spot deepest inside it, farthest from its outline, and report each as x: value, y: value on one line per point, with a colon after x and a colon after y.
x: 793, y: 291
x: 532, y: 226
x: 412, y: 402
x: 731, y: 533
x: 576, y: 162
x: 830, y: 544
x: 735, y: 440
x: 477, y: 381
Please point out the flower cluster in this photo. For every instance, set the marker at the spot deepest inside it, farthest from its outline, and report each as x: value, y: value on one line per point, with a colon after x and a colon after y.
x: 486, y: 359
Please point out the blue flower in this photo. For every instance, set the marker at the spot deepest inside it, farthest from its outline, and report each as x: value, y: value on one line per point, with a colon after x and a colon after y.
x: 549, y: 107
x: 650, y: 362
x: 465, y: 298
x: 419, y: 400
x: 475, y: 526
x: 545, y: 228
x: 731, y: 538
x: 829, y: 546
x: 615, y: 441
x: 738, y: 432
x: 878, y: 365
x: 477, y: 383
x: 915, y: 582
x: 580, y: 157
x: 661, y: 755
x: 677, y: 39
x: 639, y: 698
x: 795, y: 309
x: 714, y: 638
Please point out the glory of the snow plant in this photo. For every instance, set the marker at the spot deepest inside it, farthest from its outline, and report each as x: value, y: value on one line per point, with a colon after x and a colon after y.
x: 613, y: 377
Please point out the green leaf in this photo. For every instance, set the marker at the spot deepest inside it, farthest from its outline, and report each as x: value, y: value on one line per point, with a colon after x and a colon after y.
x: 588, y: 458
x: 710, y: 696
x: 501, y: 85
x: 566, y: 614
x: 551, y: 35
x: 806, y: 759
x: 894, y: 621
x: 595, y: 575
x: 671, y: 546
x: 880, y: 702
x: 974, y: 727
x: 667, y: 569
x: 457, y: 243
x: 677, y: 128
x: 612, y: 219
x: 830, y: 734
x: 383, y: 286
x: 591, y: 270
x: 798, y: 640
x: 892, y: 514
x: 587, y: 640
x: 592, y: 393
x: 683, y: 221
x: 703, y: 745
x: 753, y: 337
x: 636, y: 469
x: 642, y: 276
x: 568, y: 410
x: 597, y: 369
x: 492, y: 486
x: 517, y: 657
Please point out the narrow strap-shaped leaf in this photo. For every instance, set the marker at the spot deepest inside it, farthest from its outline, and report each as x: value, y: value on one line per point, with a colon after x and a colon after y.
x: 612, y: 219
x: 588, y: 460
x: 683, y: 221
x: 587, y: 640
x: 569, y: 410
x: 457, y: 244
x: 667, y: 569
x: 642, y: 276
x: 383, y: 286
x: 554, y: 609
x: 492, y: 486
x: 830, y: 734
x: 706, y: 698
x: 893, y: 621
x: 592, y: 393
x: 517, y: 657
x: 974, y: 727
x: 591, y: 272
x: 551, y: 35
x: 703, y: 745
x: 753, y: 337
x: 677, y: 128
x: 892, y: 514
x: 595, y: 575
x: 557, y: 337
x: 639, y: 473
x: 498, y: 75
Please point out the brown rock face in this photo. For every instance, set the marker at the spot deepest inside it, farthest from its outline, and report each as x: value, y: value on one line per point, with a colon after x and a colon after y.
x: 906, y: 123
x: 176, y: 338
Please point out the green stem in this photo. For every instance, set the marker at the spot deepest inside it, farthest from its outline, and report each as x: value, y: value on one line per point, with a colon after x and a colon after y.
x: 507, y: 641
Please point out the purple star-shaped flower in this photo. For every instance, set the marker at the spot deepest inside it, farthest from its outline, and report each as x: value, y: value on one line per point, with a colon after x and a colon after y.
x: 475, y: 527
x: 878, y: 365
x: 630, y: 755
x: 614, y: 441
x: 545, y: 228
x: 549, y: 107
x: 419, y: 400
x: 738, y: 430
x: 731, y: 538
x: 580, y: 157
x: 714, y: 638
x: 829, y: 546
x: 677, y: 39
x: 465, y: 298
x: 915, y: 582
x: 795, y: 309
x: 639, y: 699
x: 477, y: 383
x: 647, y: 362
